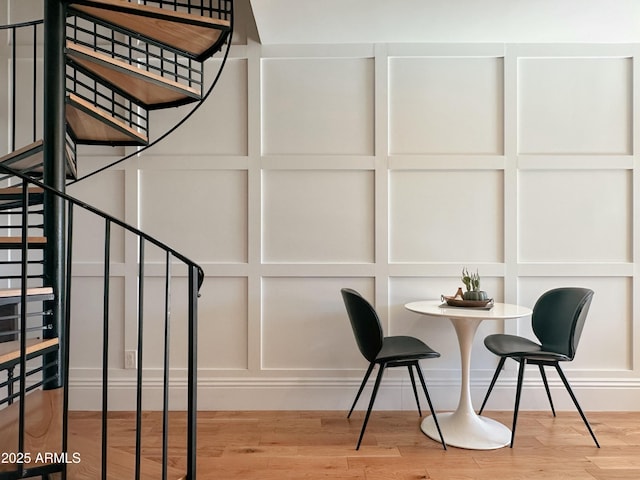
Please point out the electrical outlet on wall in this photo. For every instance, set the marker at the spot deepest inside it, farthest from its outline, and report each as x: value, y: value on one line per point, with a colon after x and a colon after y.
x: 130, y: 359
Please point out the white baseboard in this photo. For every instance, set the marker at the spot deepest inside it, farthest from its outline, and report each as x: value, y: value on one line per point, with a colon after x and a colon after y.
x: 338, y: 393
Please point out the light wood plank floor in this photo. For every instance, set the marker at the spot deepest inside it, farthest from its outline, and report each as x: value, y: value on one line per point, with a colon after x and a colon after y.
x: 321, y: 445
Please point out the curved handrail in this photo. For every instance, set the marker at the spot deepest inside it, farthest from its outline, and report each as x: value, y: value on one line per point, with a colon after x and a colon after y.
x: 30, y: 23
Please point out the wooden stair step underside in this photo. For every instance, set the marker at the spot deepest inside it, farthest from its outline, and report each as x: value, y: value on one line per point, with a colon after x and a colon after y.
x: 194, y: 35
x: 149, y: 89
x: 11, y: 197
x: 91, y: 125
x: 25, y: 158
x: 43, y: 434
x: 30, y: 159
x: 12, y: 193
x: 10, y: 351
x: 14, y: 295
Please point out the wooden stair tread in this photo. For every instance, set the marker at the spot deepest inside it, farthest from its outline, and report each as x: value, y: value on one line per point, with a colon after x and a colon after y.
x: 193, y: 34
x: 17, y: 191
x: 89, y: 124
x: 12, y: 241
x: 25, y: 157
x: 9, y: 296
x: 37, y: 145
x: 15, y: 292
x: 148, y: 88
x: 30, y: 159
x: 10, y: 351
x: 11, y: 197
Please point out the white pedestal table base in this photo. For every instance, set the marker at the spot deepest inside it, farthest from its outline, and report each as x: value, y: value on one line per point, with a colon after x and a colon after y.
x: 468, y: 431
x: 463, y: 428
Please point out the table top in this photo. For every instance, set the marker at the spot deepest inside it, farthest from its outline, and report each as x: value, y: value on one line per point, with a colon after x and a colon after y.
x: 499, y: 311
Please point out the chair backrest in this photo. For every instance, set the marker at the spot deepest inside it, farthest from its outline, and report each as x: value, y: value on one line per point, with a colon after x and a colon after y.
x: 558, y: 317
x: 364, y: 322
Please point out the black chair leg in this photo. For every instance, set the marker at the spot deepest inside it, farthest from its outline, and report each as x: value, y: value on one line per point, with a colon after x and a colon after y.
x: 415, y: 391
x: 433, y: 412
x: 493, y: 382
x: 523, y: 363
x: 546, y: 387
x: 364, y: 382
x: 373, y: 397
x: 575, y: 401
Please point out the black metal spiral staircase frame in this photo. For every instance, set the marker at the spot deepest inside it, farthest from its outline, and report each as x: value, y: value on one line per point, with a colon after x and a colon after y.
x: 107, y: 63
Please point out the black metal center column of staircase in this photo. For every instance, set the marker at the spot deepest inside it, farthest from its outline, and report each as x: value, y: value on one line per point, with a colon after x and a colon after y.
x: 54, y: 171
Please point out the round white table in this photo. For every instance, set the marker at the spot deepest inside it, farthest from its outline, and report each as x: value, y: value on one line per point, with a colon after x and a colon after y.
x: 464, y: 428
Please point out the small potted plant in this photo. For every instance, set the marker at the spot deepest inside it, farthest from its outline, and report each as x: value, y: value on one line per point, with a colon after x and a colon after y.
x: 472, y: 282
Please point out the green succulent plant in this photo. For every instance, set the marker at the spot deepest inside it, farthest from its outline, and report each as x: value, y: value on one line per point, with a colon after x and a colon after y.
x: 471, y: 280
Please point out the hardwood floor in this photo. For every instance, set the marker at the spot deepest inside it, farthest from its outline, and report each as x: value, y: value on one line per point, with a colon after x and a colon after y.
x: 321, y: 445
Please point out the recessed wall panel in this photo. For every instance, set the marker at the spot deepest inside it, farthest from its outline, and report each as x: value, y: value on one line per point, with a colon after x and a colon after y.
x: 575, y: 216
x: 105, y: 192
x: 28, y: 100
x: 305, y: 324
x: 317, y: 106
x: 222, y: 324
x: 23, y: 10
x: 575, y: 105
x: 85, y: 339
x: 446, y: 106
x: 202, y: 214
x: 318, y: 216
x: 606, y: 343
x: 446, y: 216
x: 219, y: 126
x: 155, y: 324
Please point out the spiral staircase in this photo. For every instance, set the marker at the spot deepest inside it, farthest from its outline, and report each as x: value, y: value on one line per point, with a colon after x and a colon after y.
x: 122, y: 59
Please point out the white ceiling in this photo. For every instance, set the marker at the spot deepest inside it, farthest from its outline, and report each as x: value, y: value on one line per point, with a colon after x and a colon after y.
x: 420, y: 21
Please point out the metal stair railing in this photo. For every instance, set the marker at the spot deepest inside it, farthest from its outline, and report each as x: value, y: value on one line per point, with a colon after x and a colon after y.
x: 25, y: 80
x: 31, y: 32
x: 172, y: 259
x: 11, y: 214
x: 220, y: 9
x: 110, y: 102
x: 17, y: 34
x: 147, y: 55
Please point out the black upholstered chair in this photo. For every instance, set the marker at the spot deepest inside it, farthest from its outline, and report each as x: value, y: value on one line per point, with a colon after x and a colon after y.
x: 386, y: 352
x: 557, y: 320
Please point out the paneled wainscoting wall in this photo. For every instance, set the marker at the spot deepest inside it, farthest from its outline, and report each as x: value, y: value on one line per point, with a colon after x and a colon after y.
x: 386, y: 168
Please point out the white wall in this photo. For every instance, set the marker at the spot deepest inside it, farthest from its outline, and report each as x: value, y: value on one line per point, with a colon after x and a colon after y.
x: 425, y: 21
x: 385, y: 168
